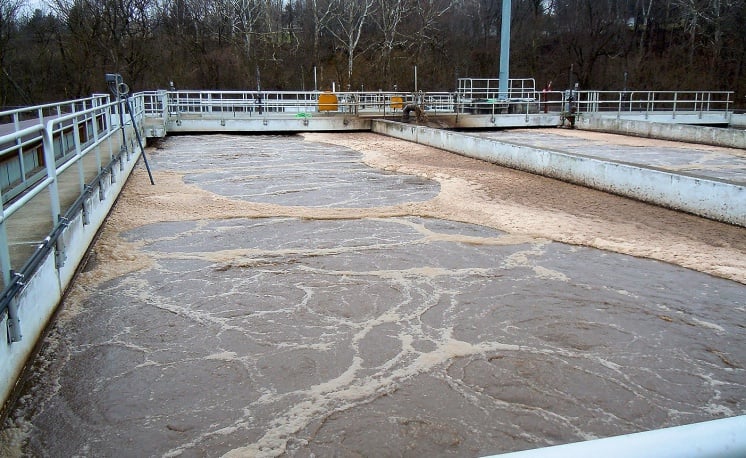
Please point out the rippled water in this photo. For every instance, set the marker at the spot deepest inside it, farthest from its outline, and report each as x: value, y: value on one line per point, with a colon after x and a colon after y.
x: 401, y: 336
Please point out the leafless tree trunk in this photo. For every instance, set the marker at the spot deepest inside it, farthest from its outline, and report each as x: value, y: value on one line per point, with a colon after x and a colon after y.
x: 245, y: 16
x: 8, y: 12
x: 322, y: 13
x: 389, y: 17
x: 645, y: 25
x: 348, y: 28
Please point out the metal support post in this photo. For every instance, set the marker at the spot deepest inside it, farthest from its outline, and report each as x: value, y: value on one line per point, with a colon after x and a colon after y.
x: 139, y: 140
x: 59, y: 247
x: 86, y: 209
x: 4, y: 251
x: 4, y: 246
x: 122, y: 92
x: 49, y: 162
x: 14, y: 322
x: 505, y: 50
x: 78, y: 153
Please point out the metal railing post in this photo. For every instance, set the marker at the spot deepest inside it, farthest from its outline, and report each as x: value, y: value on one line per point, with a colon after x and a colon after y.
x: 4, y: 247
x: 95, y: 140
x: 49, y: 162
x: 78, y: 154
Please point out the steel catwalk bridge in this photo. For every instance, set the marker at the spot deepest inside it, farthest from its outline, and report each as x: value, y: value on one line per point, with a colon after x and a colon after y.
x: 476, y: 104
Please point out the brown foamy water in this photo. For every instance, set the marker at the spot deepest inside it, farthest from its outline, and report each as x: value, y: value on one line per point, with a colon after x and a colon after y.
x: 350, y: 294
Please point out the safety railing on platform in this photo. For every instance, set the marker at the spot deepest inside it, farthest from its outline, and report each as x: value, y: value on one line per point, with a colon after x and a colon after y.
x: 649, y: 102
x: 474, y: 101
x: 52, y: 159
x: 489, y: 88
x: 26, y: 116
x: 153, y: 103
x: 224, y: 104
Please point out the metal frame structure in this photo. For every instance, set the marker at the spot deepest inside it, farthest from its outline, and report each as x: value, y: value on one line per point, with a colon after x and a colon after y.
x: 647, y: 103
x: 473, y: 96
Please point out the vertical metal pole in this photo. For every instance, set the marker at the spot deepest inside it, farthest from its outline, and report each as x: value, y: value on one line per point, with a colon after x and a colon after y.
x: 415, y: 78
x: 78, y: 151
x: 94, y: 120
x: 120, y: 109
x: 49, y: 162
x: 19, y: 142
x: 4, y: 248
x: 139, y: 140
x: 505, y: 49
x: 164, y: 104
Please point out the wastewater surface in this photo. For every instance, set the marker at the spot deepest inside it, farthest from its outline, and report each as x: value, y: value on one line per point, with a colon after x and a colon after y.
x: 281, y: 297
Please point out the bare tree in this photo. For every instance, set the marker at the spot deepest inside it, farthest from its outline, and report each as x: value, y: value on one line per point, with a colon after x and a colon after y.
x: 389, y: 16
x: 592, y: 34
x: 427, y: 24
x: 323, y: 11
x: 347, y: 28
x: 705, y: 22
x: 8, y: 15
x: 245, y: 16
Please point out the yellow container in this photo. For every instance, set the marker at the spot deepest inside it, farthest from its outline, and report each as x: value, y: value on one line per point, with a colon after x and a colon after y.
x: 327, y: 102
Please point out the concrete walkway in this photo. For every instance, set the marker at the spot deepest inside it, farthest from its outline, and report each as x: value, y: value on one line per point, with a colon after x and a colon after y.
x: 726, y: 164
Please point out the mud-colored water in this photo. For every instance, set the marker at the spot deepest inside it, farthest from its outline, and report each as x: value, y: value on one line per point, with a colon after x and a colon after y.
x: 272, y: 295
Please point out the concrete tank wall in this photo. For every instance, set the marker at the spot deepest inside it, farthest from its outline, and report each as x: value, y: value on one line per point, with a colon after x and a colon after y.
x: 714, y: 199
x: 738, y: 121
x: 731, y: 138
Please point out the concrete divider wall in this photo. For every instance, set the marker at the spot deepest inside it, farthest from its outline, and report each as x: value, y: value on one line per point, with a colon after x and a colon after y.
x: 43, y: 292
x: 730, y: 138
x: 738, y: 120
x: 718, y: 200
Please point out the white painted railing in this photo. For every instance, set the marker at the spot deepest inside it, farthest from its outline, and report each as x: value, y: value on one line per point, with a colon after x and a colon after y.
x: 650, y: 102
x: 50, y: 156
x: 526, y: 100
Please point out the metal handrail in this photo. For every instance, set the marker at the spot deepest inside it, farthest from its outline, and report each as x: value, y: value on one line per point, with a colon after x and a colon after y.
x: 58, y: 106
x: 277, y: 103
x: 654, y: 101
x: 206, y: 103
x: 15, y: 279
